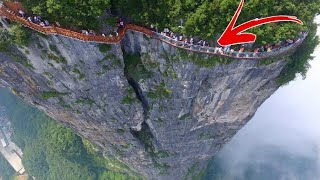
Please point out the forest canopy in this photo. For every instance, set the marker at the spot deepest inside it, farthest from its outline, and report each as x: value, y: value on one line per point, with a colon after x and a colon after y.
x: 75, y: 13
x: 208, y: 18
x: 203, y: 18
x: 52, y: 151
x: 6, y: 171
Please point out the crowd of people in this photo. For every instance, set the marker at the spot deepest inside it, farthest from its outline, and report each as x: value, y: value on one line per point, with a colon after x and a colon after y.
x: 237, y: 50
x: 35, y: 19
x: 88, y: 32
x: 121, y: 25
x: 38, y: 20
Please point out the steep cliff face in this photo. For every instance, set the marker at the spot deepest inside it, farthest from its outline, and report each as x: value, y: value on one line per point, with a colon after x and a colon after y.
x: 164, y: 118
x: 193, y: 110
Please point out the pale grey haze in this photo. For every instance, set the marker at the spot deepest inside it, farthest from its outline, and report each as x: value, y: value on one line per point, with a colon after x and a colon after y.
x: 284, y: 134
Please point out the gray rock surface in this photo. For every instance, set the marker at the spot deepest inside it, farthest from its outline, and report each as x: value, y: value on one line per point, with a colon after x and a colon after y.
x: 187, y: 111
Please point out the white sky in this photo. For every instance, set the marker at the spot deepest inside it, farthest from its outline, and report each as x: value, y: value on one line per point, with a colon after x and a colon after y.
x: 289, y: 119
x: 288, y: 122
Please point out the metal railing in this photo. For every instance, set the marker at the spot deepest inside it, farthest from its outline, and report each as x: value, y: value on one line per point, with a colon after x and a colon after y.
x: 234, y: 54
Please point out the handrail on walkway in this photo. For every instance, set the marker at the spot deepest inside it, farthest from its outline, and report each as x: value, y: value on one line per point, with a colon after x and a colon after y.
x: 53, y: 30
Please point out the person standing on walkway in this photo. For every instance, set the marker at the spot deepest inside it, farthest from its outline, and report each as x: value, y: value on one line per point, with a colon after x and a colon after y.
x: 21, y: 13
x: 256, y: 51
x: 226, y: 49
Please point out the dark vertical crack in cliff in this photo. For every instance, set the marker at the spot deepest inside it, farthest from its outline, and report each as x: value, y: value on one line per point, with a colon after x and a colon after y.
x: 139, y: 95
x: 144, y: 134
x: 135, y: 85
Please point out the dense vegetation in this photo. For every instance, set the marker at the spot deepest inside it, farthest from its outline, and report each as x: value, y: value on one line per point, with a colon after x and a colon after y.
x: 75, y: 13
x: 134, y: 68
x: 298, y: 63
x: 6, y: 171
x: 17, y: 35
x: 207, y: 18
x: 52, y: 151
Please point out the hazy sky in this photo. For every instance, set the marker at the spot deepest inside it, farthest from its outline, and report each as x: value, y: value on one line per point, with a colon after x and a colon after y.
x: 292, y: 113
x: 289, y: 121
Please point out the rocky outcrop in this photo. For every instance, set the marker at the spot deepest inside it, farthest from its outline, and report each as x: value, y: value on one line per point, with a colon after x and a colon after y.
x: 164, y: 118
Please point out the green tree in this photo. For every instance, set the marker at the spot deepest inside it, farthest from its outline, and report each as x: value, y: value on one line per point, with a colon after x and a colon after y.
x: 20, y: 35
x: 52, y: 151
x: 5, y: 39
x: 77, y: 13
x: 65, y: 142
x: 35, y: 161
x: 6, y: 171
x: 299, y: 61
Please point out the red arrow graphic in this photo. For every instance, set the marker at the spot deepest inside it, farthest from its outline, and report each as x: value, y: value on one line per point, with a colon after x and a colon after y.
x: 232, y: 36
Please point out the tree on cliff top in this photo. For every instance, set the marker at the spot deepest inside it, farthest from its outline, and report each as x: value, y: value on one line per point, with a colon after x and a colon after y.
x: 77, y: 13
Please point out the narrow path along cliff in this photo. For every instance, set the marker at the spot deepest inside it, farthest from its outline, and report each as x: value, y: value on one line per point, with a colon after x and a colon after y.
x: 9, y: 10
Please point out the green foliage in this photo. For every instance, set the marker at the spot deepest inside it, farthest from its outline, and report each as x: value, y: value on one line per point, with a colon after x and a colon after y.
x: 130, y: 98
x: 52, y: 151
x: 112, y: 176
x: 77, y: 71
x: 299, y: 61
x: 134, y: 68
x: 112, y: 20
x: 23, y: 61
x: 160, y: 92
x: 145, y: 136
x: 185, y: 117
x: 6, y: 171
x: 149, y: 62
x: 20, y: 35
x: 82, y: 14
x: 162, y: 154
x: 5, y: 39
x: 105, y: 48
x: 61, y: 102
x: 53, y: 57
x: 65, y: 141
x: 85, y: 101
x: 210, y: 17
x: 207, y: 63
x: 54, y: 48
x: 120, y: 131
x: 207, y: 135
x: 35, y: 160
x: 203, y: 60
x: 51, y: 94
x: 109, y: 57
x: 63, y: 60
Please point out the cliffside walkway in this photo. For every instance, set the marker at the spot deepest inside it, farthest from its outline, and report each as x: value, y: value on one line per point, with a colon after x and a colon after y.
x: 7, y: 10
